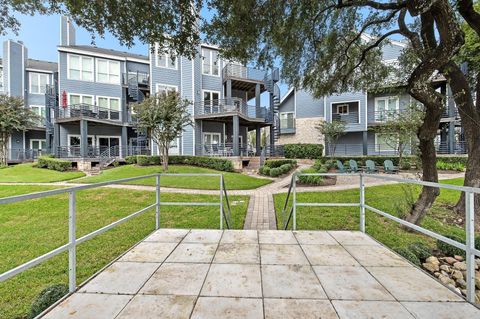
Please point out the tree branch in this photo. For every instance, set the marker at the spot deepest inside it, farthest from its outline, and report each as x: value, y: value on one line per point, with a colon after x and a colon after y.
x: 372, y: 4
x: 466, y: 9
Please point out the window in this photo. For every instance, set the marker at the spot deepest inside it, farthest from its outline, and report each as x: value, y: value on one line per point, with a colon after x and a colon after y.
x: 80, y: 67
x: 108, y: 107
x: 1, y: 79
x: 80, y: 99
x: 38, y: 82
x: 342, y: 109
x: 211, y: 138
x: 38, y: 144
x: 383, y: 143
x: 40, y: 111
x: 210, y: 101
x: 287, y: 120
x: 108, y: 71
x: 386, y: 107
x: 165, y: 88
x: 165, y: 60
x: 211, y: 62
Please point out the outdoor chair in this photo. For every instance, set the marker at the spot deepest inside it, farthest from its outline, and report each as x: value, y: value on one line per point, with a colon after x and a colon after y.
x: 389, y: 168
x: 370, y: 167
x: 215, y: 149
x: 206, y: 149
x: 341, y: 168
x: 354, y: 166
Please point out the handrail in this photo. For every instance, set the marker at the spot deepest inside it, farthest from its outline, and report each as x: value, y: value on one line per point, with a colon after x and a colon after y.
x: 71, y: 246
x: 286, y: 202
x: 468, y: 246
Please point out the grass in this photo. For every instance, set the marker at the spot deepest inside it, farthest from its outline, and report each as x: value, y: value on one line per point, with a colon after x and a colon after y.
x: 31, y: 228
x: 26, y: 173
x: 232, y: 180
x: 392, y: 199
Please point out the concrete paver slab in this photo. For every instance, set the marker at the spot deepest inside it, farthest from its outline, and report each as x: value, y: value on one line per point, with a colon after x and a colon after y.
x: 165, y: 235
x: 298, y: 308
x: 87, y: 306
x: 290, y: 281
x: 153, y: 307
x: 276, y: 237
x: 193, y: 253
x: 149, y: 252
x: 315, y: 238
x: 176, y: 279
x: 121, y: 277
x: 351, y: 309
x: 328, y: 255
x: 228, y: 308
x: 347, y: 282
x: 282, y: 255
x: 376, y: 256
x: 442, y: 310
x: 240, y: 237
x: 346, y: 237
x: 237, y: 254
x: 233, y: 280
x: 203, y: 236
x: 411, y: 284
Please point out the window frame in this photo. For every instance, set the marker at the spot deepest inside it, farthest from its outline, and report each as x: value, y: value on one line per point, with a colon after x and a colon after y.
x: 81, y: 57
x: 167, y: 56
x: 293, y: 119
x: 157, y: 85
x: 42, y: 123
x: 386, y: 99
x: 40, y: 141
x: 37, y: 75
x: 342, y: 106
x: 110, y: 110
x: 97, y: 60
x: 210, y: 60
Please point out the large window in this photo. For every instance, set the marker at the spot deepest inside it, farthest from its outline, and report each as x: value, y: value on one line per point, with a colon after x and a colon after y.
x: 80, y: 67
x: 80, y: 99
x: 37, y: 144
x: 210, y: 101
x: 165, y: 88
x: 287, y: 120
x: 108, y: 71
x: 211, y: 62
x: 40, y: 111
x: 165, y: 60
x: 385, y: 108
x: 109, y: 107
x: 38, y: 82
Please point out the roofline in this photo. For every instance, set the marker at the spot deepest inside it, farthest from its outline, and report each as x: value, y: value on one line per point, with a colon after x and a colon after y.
x: 368, y: 37
x: 39, y: 70
x: 287, y: 94
x: 101, y: 55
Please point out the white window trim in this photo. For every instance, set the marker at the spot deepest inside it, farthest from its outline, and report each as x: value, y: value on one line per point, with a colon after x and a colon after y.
x: 289, y: 112
x: 109, y: 98
x: 80, y: 137
x: 37, y: 74
x: 385, y: 98
x: 37, y: 140
x: 108, y: 68
x: 81, y: 97
x: 40, y: 107
x: 342, y: 105
x: 167, y: 56
x: 166, y: 86
x: 210, y: 63
x: 81, y: 67
x: 212, y: 91
x: 212, y: 133
x: 98, y: 137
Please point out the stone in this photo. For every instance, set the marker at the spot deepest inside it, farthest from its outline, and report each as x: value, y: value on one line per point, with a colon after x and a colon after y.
x: 460, y: 266
x: 462, y: 283
x: 432, y: 260
x: 477, y: 279
x: 446, y: 280
x: 445, y: 268
x: 431, y: 267
x: 459, y: 258
x: 436, y: 274
x: 456, y: 274
x: 445, y: 273
x: 450, y: 260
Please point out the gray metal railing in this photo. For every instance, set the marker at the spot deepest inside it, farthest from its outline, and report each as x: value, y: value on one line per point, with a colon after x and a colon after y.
x: 141, y: 78
x: 224, y: 216
x: 25, y: 154
x: 223, y: 150
x: 350, y: 118
x: 232, y: 70
x: 90, y: 111
x: 223, y: 106
x: 94, y: 152
x: 469, y: 246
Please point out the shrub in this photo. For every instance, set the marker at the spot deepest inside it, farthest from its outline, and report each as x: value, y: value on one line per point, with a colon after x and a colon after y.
x: 278, y: 163
x: 310, y: 180
x: 310, y: 151
x: 409, y: 255
x: 155, y: 160
x: 131, y: 159
x: 450, y: 250
x: 46, y: 298
x: 219, y: 164
x: 442, y: 165
x: 143, y: 160
x: 276, y: 171
x: 421, y: 250
x: 405, y: 165
x: 265, y: 170
x: 54, y: 164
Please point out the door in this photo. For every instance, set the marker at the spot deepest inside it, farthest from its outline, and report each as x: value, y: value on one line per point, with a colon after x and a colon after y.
x: 174, y: 147
x: 37, y: 146
x: 211, y: 101
x: 74, y: 145
x: 110, y: 144
x: 211, y: 143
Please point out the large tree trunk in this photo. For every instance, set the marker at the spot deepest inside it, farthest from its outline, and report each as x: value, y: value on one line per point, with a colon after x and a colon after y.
x: 3, y: 149
x: 165, y: 157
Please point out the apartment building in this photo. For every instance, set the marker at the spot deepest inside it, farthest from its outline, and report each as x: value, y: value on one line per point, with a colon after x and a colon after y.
x: 362, y: 111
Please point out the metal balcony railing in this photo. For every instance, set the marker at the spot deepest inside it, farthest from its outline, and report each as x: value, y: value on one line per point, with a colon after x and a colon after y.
x: 96, y: 152
x: 349, y: 118
x: 385, y: 115
x: 223, y: 149
x: 26, y: 154
x: 238, y: 71
x: 140, y: 78
x: 90, y: 111
x: 223, y: 106
x: 458, y: 147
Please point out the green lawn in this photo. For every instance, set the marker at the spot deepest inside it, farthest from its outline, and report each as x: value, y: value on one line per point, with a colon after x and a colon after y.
x: 26, y: 173
x: 388, y: 198
x: 29, y: 229
x: 232, y: 180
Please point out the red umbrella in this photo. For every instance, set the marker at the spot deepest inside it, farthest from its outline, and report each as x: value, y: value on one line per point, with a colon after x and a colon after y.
x: 64, y: 99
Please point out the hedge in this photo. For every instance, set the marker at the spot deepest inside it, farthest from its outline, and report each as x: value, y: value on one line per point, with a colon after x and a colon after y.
x: 131, y: 159
x: 310, y: 151
x: 310, y: 180
x: 218, y: 164
x: 276, y: 171
x: 54, y: 164
x: 278, y: 163
x: 407, y: 159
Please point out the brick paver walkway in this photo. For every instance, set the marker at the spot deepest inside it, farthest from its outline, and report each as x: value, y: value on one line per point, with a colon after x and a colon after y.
x: 261, y: 212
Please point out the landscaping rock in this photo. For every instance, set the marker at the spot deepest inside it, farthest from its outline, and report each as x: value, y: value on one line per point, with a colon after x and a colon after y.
x: 460, y: 266
x: 450, y: 260
x: 459, y: 258
x: 462, y: 283
x: 436, y: 274
x: 432, y: 260
x: 456, y: 274
x: 446, y: 280
x: 445, y: 268
x: 477, y: 279
x: 431, y: 267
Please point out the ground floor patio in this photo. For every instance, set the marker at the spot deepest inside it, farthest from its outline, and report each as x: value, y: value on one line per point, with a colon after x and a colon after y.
x: 180, y: 273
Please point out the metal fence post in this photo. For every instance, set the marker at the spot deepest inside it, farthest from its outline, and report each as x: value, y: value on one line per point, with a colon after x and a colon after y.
x: 294, y: 226
x: 221, y: 201
x: 470, y: 243
x: 72, y: 238
x: 157, y: 203
x: 362, y: 204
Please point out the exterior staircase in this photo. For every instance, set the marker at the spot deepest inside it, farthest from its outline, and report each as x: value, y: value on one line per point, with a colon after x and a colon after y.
x: 270, y: 82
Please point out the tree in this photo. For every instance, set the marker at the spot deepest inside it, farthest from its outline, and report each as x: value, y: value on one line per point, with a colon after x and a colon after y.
x: 400, y: 128
x: 163, y: 116
x: 14, y: 116
x: 332, y: 131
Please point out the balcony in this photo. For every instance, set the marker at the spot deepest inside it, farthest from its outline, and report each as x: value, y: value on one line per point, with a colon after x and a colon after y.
x: 384, y: 115
x: 228, y: 107
x: 348, y: 118
x: 237, y: 71
x: 223, y: 149
x: 140, y: 78
x: 82, y: 110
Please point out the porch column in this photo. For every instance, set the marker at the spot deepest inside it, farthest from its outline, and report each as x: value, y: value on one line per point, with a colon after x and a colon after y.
x: 257, y: 95
x: 365, y: 143
x: 124, y: 143
x: 56, y: 139
x: 83, y: 138
x: 272, y: 140
x: 258, y: 140
x: 236, y: 133
x: 228, y: 92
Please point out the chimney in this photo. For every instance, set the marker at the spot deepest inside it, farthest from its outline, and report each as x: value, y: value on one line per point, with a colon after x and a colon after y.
x: 67, y: 31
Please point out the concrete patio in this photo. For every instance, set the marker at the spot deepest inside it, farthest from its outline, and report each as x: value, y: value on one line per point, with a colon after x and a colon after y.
x: 176, y: 273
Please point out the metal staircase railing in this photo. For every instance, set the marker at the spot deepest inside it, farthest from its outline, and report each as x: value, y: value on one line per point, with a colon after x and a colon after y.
x: 270, y: 82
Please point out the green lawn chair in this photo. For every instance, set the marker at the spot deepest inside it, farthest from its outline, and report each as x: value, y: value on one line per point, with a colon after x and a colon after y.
x: 341, y: 168
x: 370, y: 167
x: 389, y: 168
x: 354, y: 166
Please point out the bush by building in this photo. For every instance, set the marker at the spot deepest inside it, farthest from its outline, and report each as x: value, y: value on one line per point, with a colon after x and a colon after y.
x: 308, y: 151
x: 53, y: 163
